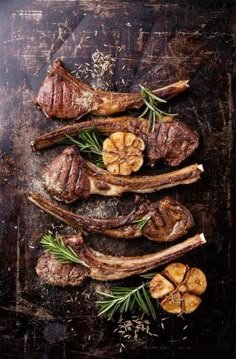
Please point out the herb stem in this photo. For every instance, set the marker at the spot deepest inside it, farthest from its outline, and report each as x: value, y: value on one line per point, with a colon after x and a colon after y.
x: 152, y: 110
x: 124, y: 299
x: 65, y: 254
x: 88, y: 141
x: 142, y: 222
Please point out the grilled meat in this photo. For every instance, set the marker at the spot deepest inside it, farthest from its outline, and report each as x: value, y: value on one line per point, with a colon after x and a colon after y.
x: 172, y: 140
x: 105, y: 267
x: 167, y: 219
x: 69, y: 177
x: 63, y: 96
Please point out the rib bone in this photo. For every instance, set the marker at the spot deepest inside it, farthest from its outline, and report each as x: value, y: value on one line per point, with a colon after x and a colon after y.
x: 69, y: 177
x: 168, y: 219
x: 63, y: 96
x: 172, y: 140
x: 105, y: 267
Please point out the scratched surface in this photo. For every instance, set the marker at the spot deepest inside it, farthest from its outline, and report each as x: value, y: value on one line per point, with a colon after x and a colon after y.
x: 152, y: 42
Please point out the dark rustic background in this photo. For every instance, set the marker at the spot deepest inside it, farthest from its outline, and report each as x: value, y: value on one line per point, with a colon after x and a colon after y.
x: 153, y: 42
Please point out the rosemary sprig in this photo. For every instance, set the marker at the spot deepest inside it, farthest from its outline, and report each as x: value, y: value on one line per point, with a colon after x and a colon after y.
x: 148, y: 275
x: 151, y: 110
x: 124, y: 299
x: 63, y: 253
x: 89, y: 141
x: 142, y: 222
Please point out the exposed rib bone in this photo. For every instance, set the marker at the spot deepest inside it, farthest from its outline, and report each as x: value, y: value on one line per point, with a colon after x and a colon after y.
x: 63, y: 96
x: 171, y: 140
x: 69, y: 177
x: 105, y: 267
x: 168, y: 219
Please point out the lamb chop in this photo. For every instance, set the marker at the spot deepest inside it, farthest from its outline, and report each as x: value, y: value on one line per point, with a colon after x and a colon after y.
x: 63, y: 96
x: 69, y: 177
x: 164, y: 221
x: 172, y: 140
x: 105, y: 267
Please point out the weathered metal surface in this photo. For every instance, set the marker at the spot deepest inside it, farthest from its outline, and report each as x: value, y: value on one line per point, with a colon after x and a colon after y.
x: 154, y: 43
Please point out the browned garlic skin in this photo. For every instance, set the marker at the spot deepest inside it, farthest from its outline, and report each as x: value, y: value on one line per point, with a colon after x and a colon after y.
x: 176, y: 272
x: 160, y: 286
x: 190, y: 302
x: 172, y: 303
x: 180, y: 286
x: 196, y: 281
x: 123, y: 153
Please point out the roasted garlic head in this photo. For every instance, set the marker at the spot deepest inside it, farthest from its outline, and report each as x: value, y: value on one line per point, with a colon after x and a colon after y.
x: 123, y: 153
x: 180, y: 286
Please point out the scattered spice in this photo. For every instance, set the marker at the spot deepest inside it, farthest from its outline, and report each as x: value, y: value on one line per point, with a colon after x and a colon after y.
x: 100, y: 67
x: 133, y: 328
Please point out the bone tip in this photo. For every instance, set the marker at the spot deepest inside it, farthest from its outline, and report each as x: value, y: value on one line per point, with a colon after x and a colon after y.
x: 32, y: 144
x: 187, y: 83
x: 32, y: 196
x: 184, y: 84
x: 200, y: 167
x: 202, y: 237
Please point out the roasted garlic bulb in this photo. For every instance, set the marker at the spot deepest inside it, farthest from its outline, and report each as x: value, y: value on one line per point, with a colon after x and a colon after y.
x: 180, y: 286
x: 123, y: 153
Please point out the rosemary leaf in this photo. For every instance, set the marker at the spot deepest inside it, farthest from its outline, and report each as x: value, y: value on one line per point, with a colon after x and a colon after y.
x: 148, y: 275
x: 132, y: 304
x: 152, y: 110
x: 142, y: 222
x: 144, y: 112
x: 106, y: 294
x: 149, y: 304
x: 141, y: 302
x: 88, y: 141
x: 124, y: 299
x: 65, y: 254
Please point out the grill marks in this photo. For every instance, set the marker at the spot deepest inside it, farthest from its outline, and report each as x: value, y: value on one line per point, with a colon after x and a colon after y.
x: 106, y: 267
x: 86, y: 179
x: 60, y: 84
x: 66, y: 179
x: 173, y: 141
x: 169, y: 219
x: 69, y: 177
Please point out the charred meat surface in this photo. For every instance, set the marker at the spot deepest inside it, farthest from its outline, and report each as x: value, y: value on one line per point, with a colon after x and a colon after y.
x: 167, y: 219
x: 69, y: 177
x: 172, y: 140
x: 106, y: 267
x: 63, y: 96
